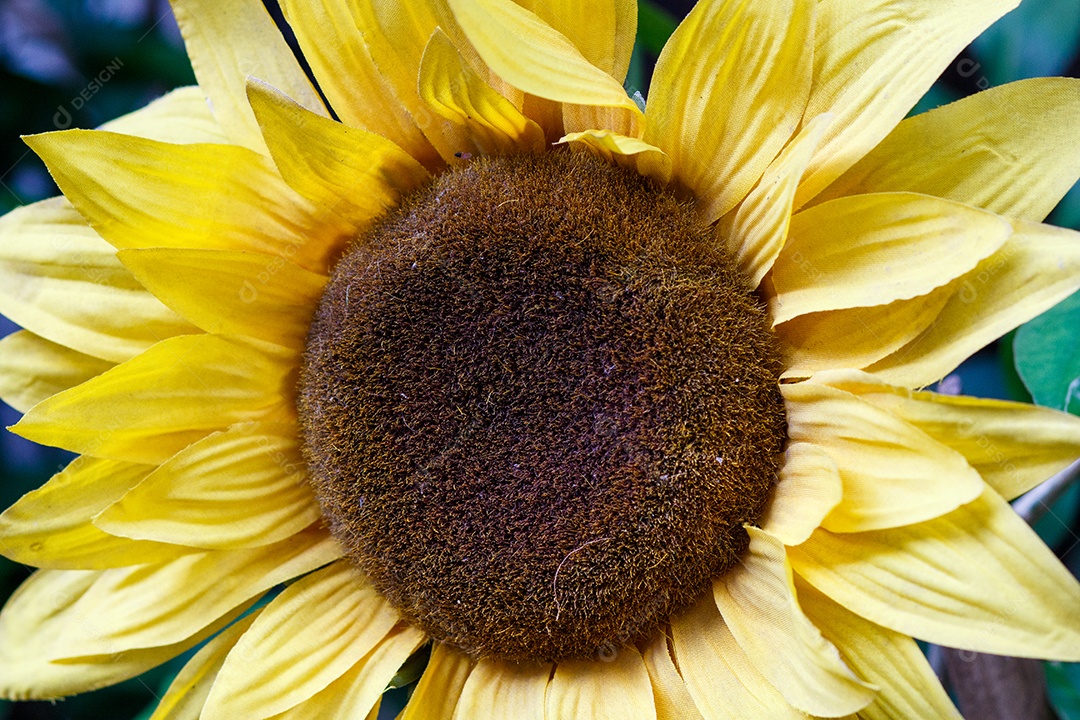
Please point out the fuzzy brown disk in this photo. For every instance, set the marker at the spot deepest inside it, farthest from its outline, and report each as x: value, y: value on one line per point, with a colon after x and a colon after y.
x: 538, y: 406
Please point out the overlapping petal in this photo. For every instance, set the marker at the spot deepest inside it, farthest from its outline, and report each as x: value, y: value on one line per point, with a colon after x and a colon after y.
x: 613, y: 688
x: 436, y: 694
x: 673, y: 701
x: 497, y: 689
x: 33, y: 369
x: 626, y: 152
x: 808, y: 487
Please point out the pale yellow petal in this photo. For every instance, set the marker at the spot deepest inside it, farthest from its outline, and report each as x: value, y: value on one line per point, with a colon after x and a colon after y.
x: 484, y: 121
x: 33, y: 368
x: 602, y: 31
x: 893, y: 473
x: 188, y: 691
x: 1037, y: 268
x: 756, y: 230
x: 757, y: 601
x: 158, y: 403
x: 981, y: 151
x: 582, y: 118
x: 906, y: 684
x: 977, y: 579
x: 229, y: 42
x: 142, y: 193
x: 727, y: 94
x: 232, y: 292
x: 808, y: 488
x: 497, y: 690
x: 872, y: 61
x: 721, y: 679
x: 613, y: 687
x: 673, y: 701
x: 306, y: 638
x: 627, y: 152
x: 60, y: 280
x: 440, y: 686
x: 1014, y: 446
x: 244, y: 487
x: 875, y: 249
x: 180, y: 116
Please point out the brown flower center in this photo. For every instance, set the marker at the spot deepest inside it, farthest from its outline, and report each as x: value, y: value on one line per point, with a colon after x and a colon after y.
x: 539, y: 406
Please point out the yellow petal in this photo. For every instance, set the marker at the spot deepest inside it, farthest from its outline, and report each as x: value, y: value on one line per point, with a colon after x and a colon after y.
x: 32, y: 369
x: 757, y: 229
x: 1037, y: 268
x: 158, y: 403
x: 673, y: 701
x: 180, y: 116
x: 1014, y: 446
x: 360, y: 688
x: 907, y: 685
x: 978, y: 579
x: 60, y: 280
x: 349, y: 172
x: 875, y: 249
x: 485, y: 121
x: 497, y: 690
x: 613, y: 687
x: 808, y: 488
x: 38, y: 615
x: 582, y: 118
x: 980, y: 151
x: 51, y: 526
x: 188, y: 691
x: 306, y: 638
x: 893, y: 473
x: 602, y: 31
x: 229, y: 42
x: 361, y: 97
x: 142, y: 193
x: 245, y: 487
x: 229, y: 291
x: 727, y: 94
x: 872, y: 62
x: 629, y: 153
x: 437, y: 693
x: 159, y: 604
x: 534, y: 57
x: 757, y: 601
x: 721, y: 679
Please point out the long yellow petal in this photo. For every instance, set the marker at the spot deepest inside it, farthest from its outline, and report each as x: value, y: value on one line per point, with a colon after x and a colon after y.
x: 627, y: 152
x: 142, y: 193
x: 352, y: 173
x: 978, y: 579
x: 872, y: 61
x: 757, y: 601
x: 496, y: 690
x: 306, y: 638
x: 158, y: 403
x: 727, y: 94
x: 33, y: 368
x: 60, y: 280
x: 437, y: 693
x: 611, y: 688
x: 230, y: 291
x: 485, y: 121
x: 51, y: 527
x: 893, y: 473
x: 1037, y: 268
x: 180, y: 116
x: 980, y: 151
x: 602, y: 31
x: 756, y: 230
x: 875, y: 249
x: 673, y: 701
x: 808, y: 488
x: 245, y: 487
x: 187, y: 693
x: 229, y: 42
x: 906, y: 684
x: 536, y: 58
x: 721, y: 679
x: 1014, y: 446
x: 361, y: 97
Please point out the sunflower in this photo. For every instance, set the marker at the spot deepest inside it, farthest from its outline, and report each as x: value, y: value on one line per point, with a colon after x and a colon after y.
x: 585, y: 407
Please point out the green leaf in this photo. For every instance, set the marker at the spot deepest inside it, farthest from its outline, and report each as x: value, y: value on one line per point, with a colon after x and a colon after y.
x: 1063, y: 686
x: 655, y: 25
x: 1048, y: 356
